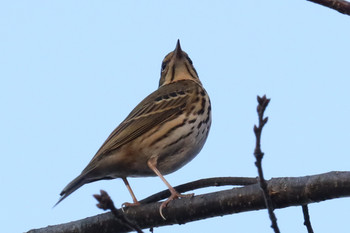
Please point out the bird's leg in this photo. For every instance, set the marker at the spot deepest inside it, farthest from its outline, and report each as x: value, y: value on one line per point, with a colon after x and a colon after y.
x: 152, y: 163
x: 127, y: 204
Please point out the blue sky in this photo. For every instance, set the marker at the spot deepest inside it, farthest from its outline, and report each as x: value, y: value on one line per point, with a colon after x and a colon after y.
x: 72, y: 70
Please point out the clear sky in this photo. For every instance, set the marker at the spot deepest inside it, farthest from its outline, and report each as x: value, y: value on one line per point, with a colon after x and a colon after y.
x: 72, y: 70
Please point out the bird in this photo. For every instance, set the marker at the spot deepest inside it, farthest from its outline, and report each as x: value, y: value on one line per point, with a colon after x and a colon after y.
x: 161, y: 134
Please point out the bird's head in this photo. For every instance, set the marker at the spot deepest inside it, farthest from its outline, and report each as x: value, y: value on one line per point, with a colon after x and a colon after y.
x: 176, y: 66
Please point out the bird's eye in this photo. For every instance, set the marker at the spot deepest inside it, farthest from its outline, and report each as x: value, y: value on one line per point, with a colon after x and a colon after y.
x: 164, y: 64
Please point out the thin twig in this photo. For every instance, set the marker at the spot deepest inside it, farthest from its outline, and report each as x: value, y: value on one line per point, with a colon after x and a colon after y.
x: 106, y: 203
x: 338, y: 5
x: 263, y: 102
x: 202, y: 183
x: 307, y: 222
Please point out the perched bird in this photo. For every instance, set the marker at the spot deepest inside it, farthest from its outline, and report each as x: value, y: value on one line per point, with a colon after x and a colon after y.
x: 163, y: 132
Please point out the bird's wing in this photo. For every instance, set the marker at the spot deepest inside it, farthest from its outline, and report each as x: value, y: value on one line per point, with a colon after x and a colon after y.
x: 161, y: 105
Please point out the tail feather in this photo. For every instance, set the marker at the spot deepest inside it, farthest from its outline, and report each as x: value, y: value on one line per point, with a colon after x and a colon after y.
x: 72, y: 186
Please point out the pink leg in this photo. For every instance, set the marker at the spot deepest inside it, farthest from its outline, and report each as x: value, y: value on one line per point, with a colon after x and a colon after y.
x: 131, y: 193
x: 174, y: 194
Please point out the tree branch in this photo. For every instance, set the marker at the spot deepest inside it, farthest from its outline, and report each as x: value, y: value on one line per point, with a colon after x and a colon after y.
x: 288, y: 191
x: 106, y: 203
x: 307, y: 221
x: 262, y: 105
x: 202, y: 183
x: 338, y: 5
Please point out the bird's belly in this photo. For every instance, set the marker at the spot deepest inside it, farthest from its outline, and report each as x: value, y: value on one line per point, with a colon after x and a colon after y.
x: 180, y: 153
x: 174, y: 144
x: 185, y: 138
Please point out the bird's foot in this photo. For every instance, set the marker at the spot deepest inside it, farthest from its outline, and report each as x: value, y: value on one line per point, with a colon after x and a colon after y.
x: 173, y: 196
x: 128, y: 204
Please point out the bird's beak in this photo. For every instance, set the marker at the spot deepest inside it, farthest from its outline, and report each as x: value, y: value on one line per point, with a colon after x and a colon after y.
x: 178, y: 51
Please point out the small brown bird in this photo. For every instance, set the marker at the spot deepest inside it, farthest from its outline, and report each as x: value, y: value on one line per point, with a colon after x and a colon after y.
x: 163, y: 133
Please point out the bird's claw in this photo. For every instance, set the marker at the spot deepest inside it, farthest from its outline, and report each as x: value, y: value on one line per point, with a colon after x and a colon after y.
x: 172, y: 197
x: 128, y: 204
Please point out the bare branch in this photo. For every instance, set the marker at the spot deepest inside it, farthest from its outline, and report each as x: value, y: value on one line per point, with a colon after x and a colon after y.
x: 288, y: 191
x: 338, y: 5
x: 202, y: 183
x: 262, y: 104
x: 106, y: 203
x: 307, y: 222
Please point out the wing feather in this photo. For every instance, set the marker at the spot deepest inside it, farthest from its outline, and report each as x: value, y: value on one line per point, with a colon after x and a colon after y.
x: 162, y: 105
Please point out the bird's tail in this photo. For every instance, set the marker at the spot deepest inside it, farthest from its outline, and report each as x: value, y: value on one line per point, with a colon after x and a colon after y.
x: 72, y: 186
